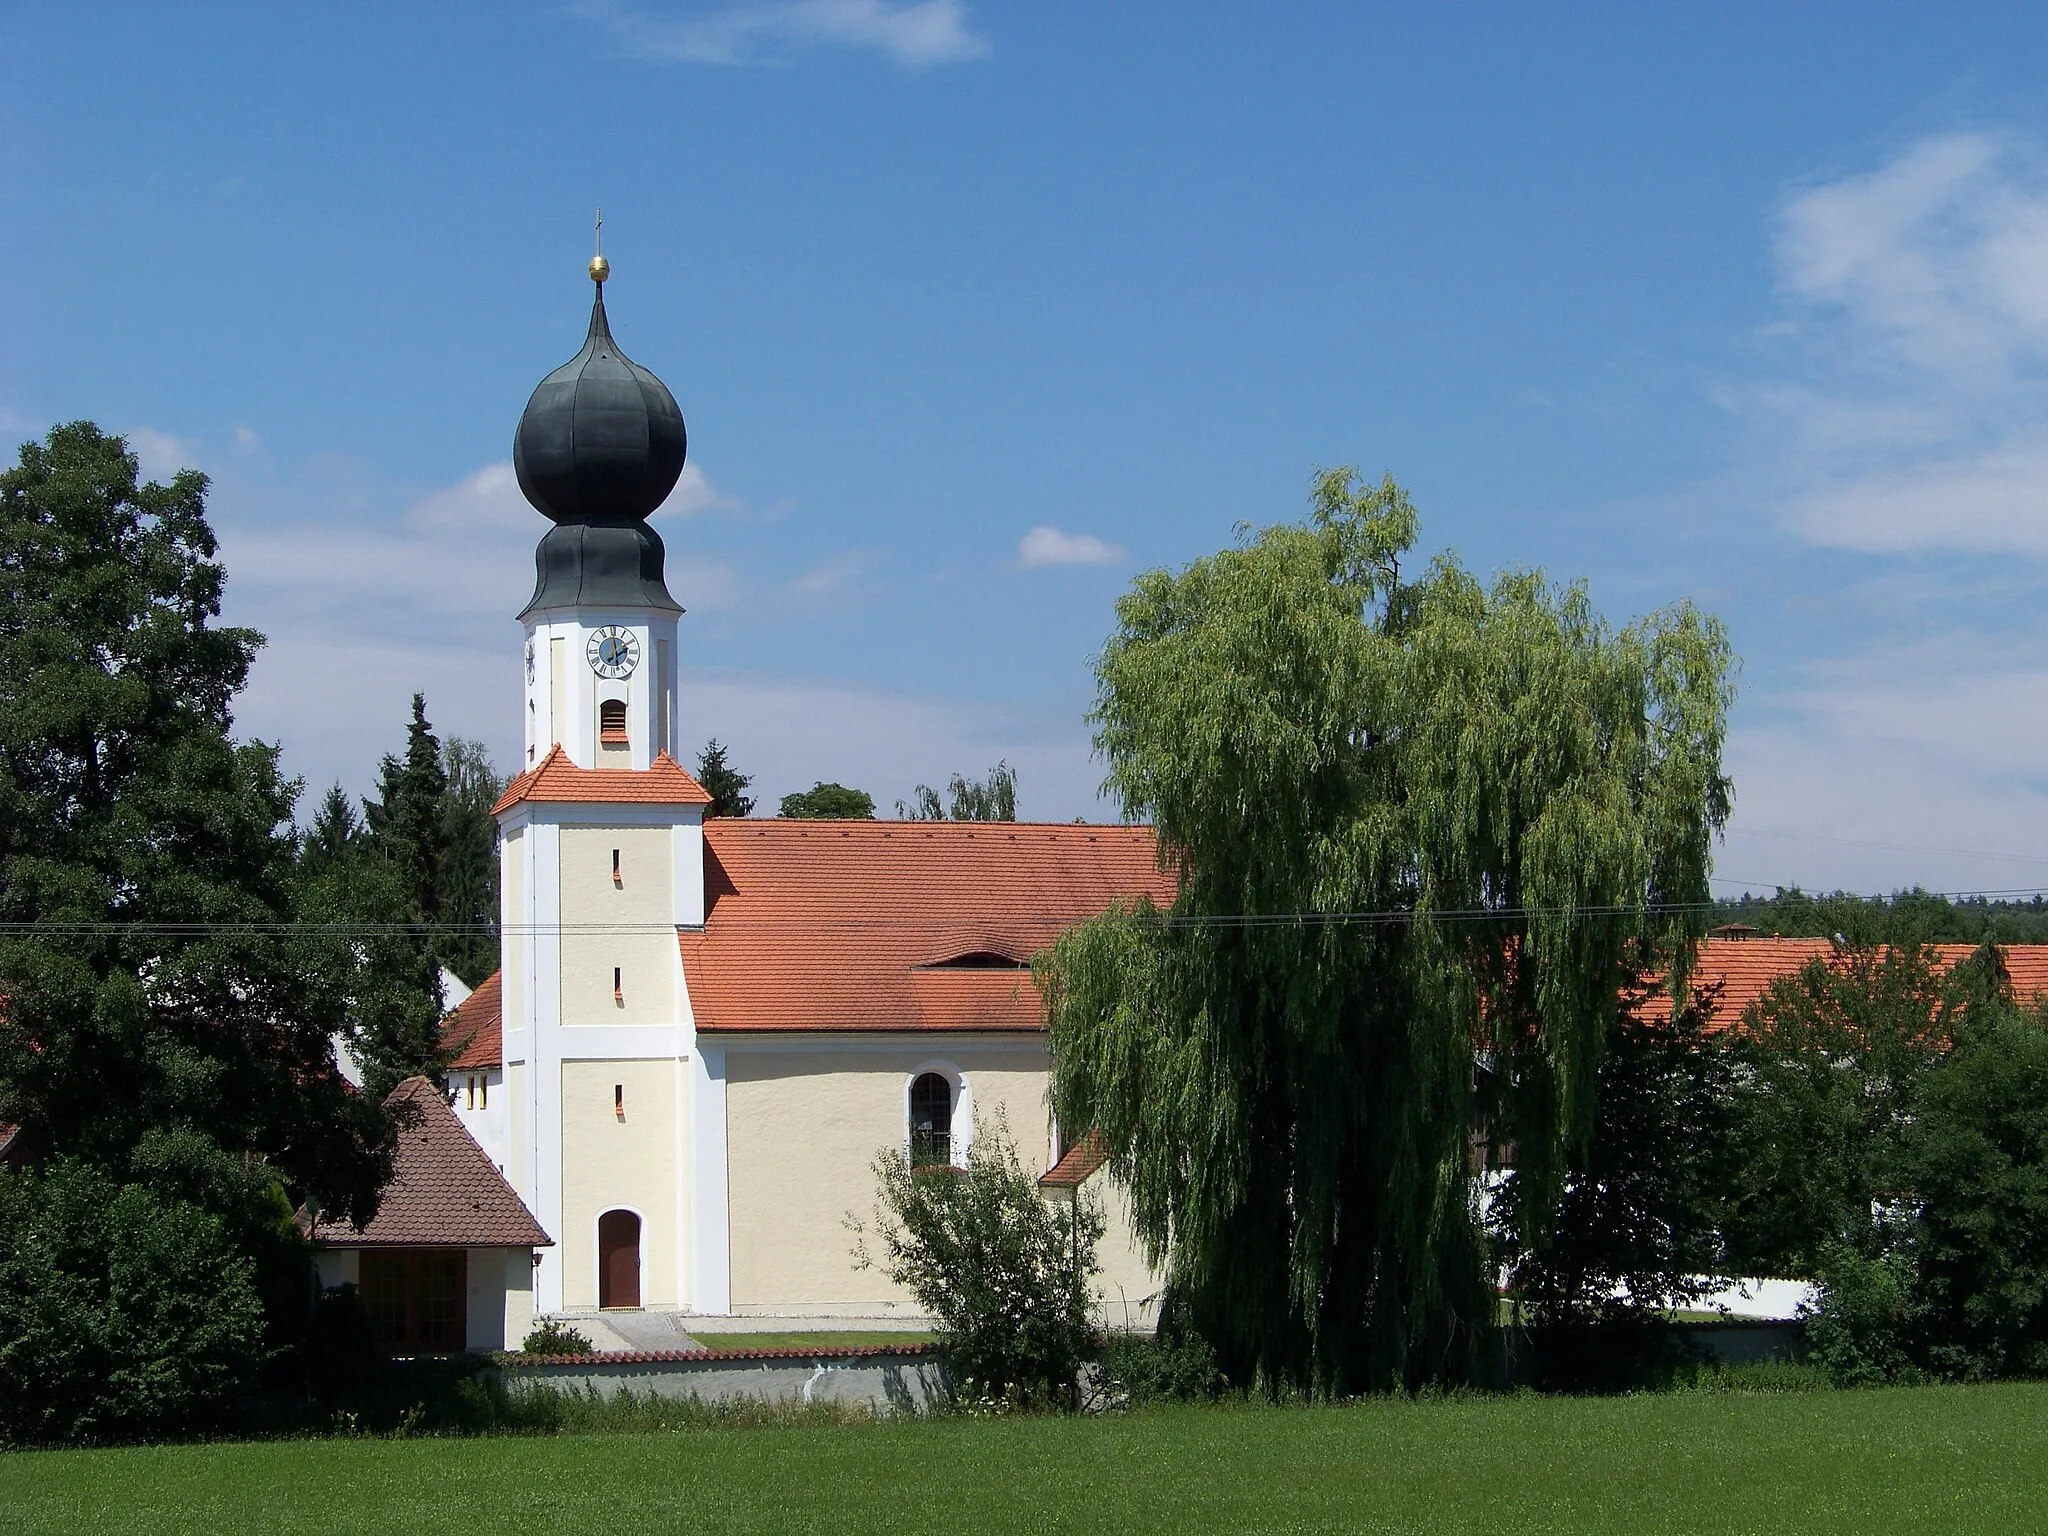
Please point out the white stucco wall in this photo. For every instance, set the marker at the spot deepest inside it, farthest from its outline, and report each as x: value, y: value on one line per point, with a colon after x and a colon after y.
x: 629, y: 1163
x: 803, y: 1126
x: 627, y: 926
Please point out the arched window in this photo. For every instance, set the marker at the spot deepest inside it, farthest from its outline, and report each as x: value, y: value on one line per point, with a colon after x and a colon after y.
x: 611, y: 722
x: 931, y: 1121
x: 618, y: 1259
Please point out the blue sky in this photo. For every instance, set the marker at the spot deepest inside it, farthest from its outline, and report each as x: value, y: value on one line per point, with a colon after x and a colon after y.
x: 976, y: 309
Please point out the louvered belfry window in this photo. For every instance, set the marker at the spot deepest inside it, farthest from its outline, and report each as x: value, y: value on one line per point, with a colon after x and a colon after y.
x: 611, y: 722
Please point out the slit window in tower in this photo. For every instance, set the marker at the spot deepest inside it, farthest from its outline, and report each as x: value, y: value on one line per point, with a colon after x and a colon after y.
x: 611, y: 722
x: 618, y: 987
x: 616, y: 880
x: 619, y: 1100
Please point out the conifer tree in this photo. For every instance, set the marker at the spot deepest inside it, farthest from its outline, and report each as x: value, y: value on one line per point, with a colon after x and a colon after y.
x: 726, y: 785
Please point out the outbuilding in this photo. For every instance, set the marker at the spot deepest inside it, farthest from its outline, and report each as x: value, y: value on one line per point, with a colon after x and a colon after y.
x: 447, y: 1263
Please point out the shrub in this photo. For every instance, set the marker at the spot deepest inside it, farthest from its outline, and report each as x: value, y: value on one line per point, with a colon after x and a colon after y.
x: 1003, y: 1270
x: 1137, y: 1370
x: 122, y: 1315
x: 1858, y: 1329
x: 551, y: 1336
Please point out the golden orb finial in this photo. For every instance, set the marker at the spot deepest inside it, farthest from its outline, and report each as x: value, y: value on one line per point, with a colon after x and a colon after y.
x: 600, y: 269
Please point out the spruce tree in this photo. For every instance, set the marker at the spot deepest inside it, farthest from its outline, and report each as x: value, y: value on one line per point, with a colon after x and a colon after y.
x: 469, y: 875
x: 726, y: 785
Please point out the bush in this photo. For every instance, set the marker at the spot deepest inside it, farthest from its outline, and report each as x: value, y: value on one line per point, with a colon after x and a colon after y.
x: 1860, y: 1326
x: 122, y: 1315
x: 551, y: 1336
x: 1137, y: 1371
x: 1003, y: 1270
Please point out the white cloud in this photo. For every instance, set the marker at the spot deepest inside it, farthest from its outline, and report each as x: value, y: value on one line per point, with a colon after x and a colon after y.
x: 790, y: 734
x: 913, y: 33
x: 361, y: 610
x: 160, y: 454
x: 246, y: 439
x: 1044, y: 546
x: 1917, y: 352
x: 1906, y: 763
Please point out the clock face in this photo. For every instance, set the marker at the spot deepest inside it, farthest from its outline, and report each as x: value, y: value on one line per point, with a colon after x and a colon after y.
x: 613, y: 652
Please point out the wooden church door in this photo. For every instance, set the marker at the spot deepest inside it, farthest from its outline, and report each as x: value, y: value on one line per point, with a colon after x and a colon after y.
x: 618, y: 1259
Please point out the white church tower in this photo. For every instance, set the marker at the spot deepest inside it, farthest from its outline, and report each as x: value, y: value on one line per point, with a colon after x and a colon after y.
x: 603, y: 866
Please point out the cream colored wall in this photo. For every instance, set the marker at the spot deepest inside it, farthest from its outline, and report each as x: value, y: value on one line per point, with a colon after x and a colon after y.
x: 643, y: 947
x: 519, y: 1162
x: 802, y: 1131
x: 1126, y: 1287
x: 608, y: 1162
x: 512, y: 864
x: 500, y: 1311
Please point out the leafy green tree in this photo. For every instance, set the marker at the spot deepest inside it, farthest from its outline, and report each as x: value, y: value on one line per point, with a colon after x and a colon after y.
x: 1834, y: 1056
x: 990, y: 799
x: 469, y: 884
x: 1411, y: 819
x: 1976, y: 1159
x: 122, y: 1314
x: 726, y: 785
x: 168, y: 1012
x: 1004, y: 1270
x: 828, y: 802
x: 158, y: 986
x: 1638, y: 1228
x: 1904, y: 917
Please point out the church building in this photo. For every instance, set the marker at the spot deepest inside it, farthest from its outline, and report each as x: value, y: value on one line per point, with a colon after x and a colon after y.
x: 705, y: 1030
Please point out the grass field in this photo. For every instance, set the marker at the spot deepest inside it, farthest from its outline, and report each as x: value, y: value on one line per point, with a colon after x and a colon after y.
x: 1929, y: 1459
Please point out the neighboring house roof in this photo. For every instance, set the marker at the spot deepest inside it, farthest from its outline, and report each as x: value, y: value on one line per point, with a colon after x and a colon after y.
x: 7, y: 1135
x: 474, y: 1030
x: 1744, y: 968
x: 1080, y: 1161
x: 897, y: 925
x: 443, y: 1193
x: 557, y: 780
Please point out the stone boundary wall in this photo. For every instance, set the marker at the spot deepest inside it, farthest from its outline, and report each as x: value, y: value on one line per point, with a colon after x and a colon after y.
x: 897, y: 1379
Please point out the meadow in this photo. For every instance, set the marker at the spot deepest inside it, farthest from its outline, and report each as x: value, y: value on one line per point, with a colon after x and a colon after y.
x: 1956, y: 1459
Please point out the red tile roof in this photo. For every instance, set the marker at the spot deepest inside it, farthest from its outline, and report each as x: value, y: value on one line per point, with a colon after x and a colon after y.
x: 556, y: 780
x: 474, y: 1030
x: 848, y: 925
x: 443, y: 1193
x: 1080, y: 1161
x: 680, y: 1356
x: 1745, y: 968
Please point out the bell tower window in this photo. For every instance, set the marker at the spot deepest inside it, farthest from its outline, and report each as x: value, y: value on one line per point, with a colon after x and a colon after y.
x: 611, y: 722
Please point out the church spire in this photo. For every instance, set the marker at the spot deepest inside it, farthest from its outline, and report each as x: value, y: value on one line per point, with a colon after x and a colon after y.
x: 598, y: 449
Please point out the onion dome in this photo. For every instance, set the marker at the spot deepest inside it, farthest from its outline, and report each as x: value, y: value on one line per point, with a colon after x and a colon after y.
x: 600, y: 446
x: 602, y: 439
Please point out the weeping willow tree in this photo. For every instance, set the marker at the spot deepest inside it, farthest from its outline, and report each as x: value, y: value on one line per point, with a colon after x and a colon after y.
x: 1427, y: 832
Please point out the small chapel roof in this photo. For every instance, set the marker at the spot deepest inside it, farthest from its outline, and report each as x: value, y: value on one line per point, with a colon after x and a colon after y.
x: 1077, y: 1163
x: 829, y: 926
x: 443, y: 1193
x: 474, y: 1029
x: 557, y: 780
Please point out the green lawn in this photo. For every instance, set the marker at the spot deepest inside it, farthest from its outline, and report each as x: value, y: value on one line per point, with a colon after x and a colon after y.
x: 1929, y: 1459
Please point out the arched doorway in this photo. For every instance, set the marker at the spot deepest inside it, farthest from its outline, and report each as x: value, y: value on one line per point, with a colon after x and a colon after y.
x: 618, y: 1259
